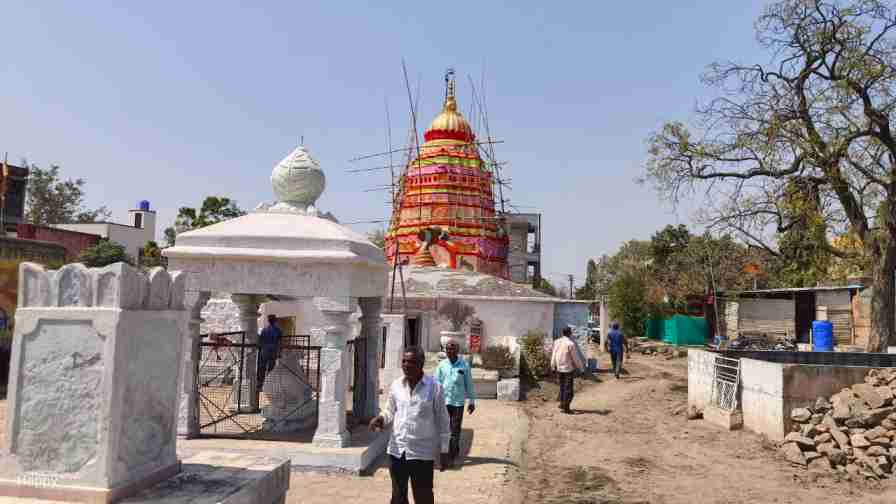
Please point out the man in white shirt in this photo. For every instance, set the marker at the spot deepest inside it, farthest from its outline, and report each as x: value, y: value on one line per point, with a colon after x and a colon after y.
x: 566, y: 361
x: 416, y: 409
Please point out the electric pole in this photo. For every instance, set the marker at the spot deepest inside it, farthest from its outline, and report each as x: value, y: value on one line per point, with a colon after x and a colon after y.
x: 570, y: 287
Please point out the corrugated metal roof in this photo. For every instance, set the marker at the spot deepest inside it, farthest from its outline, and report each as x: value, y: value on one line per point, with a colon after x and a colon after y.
x: 795, y: 289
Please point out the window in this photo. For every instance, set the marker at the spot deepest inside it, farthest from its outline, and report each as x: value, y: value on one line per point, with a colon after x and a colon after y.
x: 138, y: 220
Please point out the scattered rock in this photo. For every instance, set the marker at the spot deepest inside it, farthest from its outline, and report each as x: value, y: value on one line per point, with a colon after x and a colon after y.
x: 841, y: 412
x: 885, y: 393
x: 881, y: 441
x: 874, y: 416
x: 816, y: 419
x: 821, y: 464
x: 811, y: 455
x: 837, y: 457
x: 802, y: 441
x: 822, y: 405
x: 807, y: 430
x: 867, y: 394
x: 800, y: 415
x: 825, y: 448
x: 876, y: 432
x: 823, y: 438
x: 841, y: 439
x: 852, y: 469
x: 693, y: 413
x: 875, y: 451
x: 859, y: 441
x: 793, y: 454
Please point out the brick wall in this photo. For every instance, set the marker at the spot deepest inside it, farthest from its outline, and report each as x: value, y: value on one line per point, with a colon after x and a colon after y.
x: 73, y: 241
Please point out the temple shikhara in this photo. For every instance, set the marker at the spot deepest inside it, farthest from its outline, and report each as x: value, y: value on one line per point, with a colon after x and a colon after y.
x: 445, y: 214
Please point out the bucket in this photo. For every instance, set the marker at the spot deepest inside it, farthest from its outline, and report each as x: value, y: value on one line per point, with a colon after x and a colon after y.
x: 823, y: 336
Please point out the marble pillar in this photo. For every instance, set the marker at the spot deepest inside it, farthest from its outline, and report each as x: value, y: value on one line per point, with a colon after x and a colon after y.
x: 371, y: 328
x: 247, y: 395
x: 334, y: 368
x: 188, y: 416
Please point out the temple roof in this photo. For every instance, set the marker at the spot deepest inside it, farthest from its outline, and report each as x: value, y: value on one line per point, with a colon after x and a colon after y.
x: 446, y: 282
x: 449, y: 124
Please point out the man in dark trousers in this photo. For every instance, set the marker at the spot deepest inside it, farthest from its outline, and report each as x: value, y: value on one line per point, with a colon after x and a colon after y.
x: 565, y: 360
x: 416, y: 409
x: 269, y: 341
x: 616, y: 346
x: 456, y: 378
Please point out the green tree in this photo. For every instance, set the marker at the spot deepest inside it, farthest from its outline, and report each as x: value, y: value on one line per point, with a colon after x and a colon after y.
x: 104, y: 253
x: 49, y: 200
x: 822, y: 112
x: 214, y: 209
x: 378, y: 238
x: 152, y: 255
x: 628, y: 302
x: 544, y: 286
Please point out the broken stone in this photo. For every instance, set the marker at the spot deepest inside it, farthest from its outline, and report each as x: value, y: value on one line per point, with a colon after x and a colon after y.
x: 837, y: 457
x: 793, y: 454
x: 841, y: 412
x: 876, y: 451
x: 828, y: 421
x: 885, y: 393
x: 823, y: 438
x: 820, y: 464
x: 858, y: 407
x: 875, y: 432
x: 854, y: 422
x: 802, y: 441
x: 693, y: 413
x: 852, y: 469
x: 821, y: 429
x: 825, y: 448
x: 812, y: 455
x: 874, y: 416
x: 857, y: 430
x: 807, y: 430
x: 816, y: 419
x: 888, y: 424
x: 881, y: 441
x: 859, y: 441
x: 800, y: 415
x: 841, y: 439
x: 822, y: 405
x: 868, y: 395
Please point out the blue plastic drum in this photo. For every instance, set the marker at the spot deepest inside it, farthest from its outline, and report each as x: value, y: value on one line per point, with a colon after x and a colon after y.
x: 822, y: 336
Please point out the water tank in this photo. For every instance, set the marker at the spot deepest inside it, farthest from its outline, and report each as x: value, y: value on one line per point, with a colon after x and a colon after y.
x: 143, y: 205
x: 823, y: 336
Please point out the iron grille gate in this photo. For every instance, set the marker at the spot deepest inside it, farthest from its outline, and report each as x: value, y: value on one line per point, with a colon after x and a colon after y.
x: 726, y: 378
x: 223, y: 384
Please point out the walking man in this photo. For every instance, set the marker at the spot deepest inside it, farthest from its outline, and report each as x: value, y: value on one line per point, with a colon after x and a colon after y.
x: 269, y: 341
x: 456, y: 379
x: 565, y: 360
x: 616, y: 344
x: 416, y: 409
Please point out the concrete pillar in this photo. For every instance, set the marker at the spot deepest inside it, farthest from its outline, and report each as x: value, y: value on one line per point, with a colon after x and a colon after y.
x: 604, y: 321
x: 248, y: 305
x: 371, y: 328
x: 188, y: 416
x: 334, y: 368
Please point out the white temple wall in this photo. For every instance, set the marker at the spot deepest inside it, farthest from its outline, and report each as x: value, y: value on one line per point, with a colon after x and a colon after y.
x: 504, y: 321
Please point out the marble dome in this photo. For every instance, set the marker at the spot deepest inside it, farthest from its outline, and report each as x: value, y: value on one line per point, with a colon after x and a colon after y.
x: 298, y: 180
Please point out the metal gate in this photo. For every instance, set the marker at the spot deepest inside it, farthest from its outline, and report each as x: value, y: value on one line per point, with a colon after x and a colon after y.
x: 228, y: 405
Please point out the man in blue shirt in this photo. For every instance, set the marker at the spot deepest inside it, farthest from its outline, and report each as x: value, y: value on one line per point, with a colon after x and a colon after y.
x: 269, y: 343
x: 616, y: 344
x: 456, y: 379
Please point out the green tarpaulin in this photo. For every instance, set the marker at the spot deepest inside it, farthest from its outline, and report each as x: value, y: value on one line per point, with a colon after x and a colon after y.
x: 678, y: 330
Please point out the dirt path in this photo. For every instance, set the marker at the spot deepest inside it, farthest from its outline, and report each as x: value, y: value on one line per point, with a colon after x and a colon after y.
x: 625, y: 446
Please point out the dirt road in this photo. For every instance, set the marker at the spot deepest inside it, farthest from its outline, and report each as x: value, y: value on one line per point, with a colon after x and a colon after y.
x: 625, y: 446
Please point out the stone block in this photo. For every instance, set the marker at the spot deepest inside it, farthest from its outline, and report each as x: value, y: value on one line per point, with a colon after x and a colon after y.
x: 509, y: 390
x: 730, y: 420
x: 93, y: 396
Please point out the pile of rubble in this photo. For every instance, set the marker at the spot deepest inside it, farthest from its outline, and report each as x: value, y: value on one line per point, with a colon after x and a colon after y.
x: 853, y: 432
x: 654, y: 349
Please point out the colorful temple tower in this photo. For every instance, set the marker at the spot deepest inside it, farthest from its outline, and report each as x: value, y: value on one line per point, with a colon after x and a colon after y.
x: 445, y: 211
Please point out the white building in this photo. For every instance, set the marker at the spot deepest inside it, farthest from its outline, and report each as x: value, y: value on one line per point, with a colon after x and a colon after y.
x: 140, y: 229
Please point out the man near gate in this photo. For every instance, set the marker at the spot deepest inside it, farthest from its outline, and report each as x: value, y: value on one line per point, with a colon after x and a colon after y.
x: 456, y: 379
x: 566, y: 362
x: 269, y: 343
x: 416, y: 409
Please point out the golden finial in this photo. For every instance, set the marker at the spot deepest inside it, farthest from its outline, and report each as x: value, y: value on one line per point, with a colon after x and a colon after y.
x: 450, y: 102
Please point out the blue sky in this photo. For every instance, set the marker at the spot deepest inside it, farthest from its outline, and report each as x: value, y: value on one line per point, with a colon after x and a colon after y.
x: 173, y: 101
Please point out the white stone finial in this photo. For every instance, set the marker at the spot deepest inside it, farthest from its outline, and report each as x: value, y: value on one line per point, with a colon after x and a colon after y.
x: 298, y: 181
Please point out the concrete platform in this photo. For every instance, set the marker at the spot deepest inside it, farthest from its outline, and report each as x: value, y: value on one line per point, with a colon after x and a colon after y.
x: 365, y: 448
x: 728, y: 420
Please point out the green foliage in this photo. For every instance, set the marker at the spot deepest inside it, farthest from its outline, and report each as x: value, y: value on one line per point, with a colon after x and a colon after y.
x: 629, y: 303
x: 536, y: 359
x: 49, y: 200
x: 497, y: 357
x: 152, y: 255
x: 543, y: 286
x: 456, y: 313
x: 214, y: 209
x: 378, y: 238
x: 104, y: 253
x: 595, y: 279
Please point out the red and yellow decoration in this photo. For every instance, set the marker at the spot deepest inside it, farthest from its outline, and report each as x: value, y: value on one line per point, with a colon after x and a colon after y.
x: 449, y: 187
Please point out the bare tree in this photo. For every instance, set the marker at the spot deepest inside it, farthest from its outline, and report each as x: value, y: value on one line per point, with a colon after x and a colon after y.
x: 818, y: 119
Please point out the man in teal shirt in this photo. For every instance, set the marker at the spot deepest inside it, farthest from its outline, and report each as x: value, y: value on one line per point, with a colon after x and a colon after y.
x: 456, y: 379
